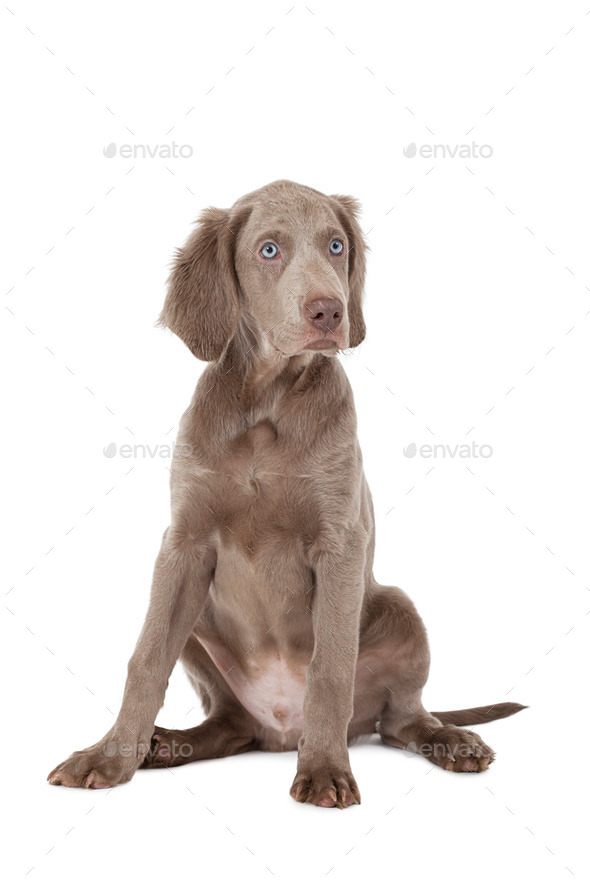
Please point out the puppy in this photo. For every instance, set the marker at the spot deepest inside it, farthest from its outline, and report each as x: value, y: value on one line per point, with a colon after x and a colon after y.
x: 263, y: 586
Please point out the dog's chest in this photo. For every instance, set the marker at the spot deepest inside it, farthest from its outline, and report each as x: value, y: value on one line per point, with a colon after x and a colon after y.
x: 260, y: 491
x: 257, y: 627
x: 255, y: 458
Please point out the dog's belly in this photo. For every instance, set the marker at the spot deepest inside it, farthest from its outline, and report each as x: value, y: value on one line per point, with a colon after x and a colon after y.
x: 268, y: 685
x: 257, y: 629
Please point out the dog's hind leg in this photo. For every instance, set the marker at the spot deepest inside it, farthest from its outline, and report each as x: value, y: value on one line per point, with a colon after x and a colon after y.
x: 228, y: 730
x: 214, y: 738
x: 392, y: 670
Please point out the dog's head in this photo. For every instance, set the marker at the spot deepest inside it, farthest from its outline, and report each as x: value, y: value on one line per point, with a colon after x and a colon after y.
x: 288, y: 259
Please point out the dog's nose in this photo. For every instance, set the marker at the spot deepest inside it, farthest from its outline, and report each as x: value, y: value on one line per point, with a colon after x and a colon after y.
x: 324, y: 313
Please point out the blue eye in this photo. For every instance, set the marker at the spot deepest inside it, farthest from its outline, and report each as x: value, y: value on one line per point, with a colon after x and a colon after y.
x: 336, y: 247
x: 269, y: 250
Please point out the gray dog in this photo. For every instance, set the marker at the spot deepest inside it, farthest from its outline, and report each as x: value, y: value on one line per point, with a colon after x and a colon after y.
x: 263, y: 586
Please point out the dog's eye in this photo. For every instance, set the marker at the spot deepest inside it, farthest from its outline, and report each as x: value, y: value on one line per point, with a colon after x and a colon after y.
x: 269, y: 250
x: 336, y: 247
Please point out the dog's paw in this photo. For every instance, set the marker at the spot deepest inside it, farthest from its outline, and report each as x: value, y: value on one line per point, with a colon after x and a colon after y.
x: 105, y: 764
x: 168, y: 747
x: 456, y: 749
x: 327, y: 786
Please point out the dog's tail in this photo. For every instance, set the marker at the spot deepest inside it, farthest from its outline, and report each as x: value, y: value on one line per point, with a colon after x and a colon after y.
x: 477, y: 715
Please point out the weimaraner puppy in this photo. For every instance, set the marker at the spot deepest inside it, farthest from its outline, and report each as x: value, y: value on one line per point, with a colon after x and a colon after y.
x: 263, y: 586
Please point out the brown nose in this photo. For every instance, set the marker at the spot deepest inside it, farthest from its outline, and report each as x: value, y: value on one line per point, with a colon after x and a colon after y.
x: 324, y: 313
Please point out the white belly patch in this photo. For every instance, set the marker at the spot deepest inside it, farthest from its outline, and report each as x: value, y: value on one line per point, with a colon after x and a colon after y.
x: 270, y: 687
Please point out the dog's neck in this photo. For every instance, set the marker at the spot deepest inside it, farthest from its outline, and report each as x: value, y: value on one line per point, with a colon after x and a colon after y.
x: 261, y: 373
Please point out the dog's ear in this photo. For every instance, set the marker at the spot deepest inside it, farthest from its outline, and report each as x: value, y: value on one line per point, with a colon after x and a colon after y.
x: 202, y: 305
x: 347, y: 209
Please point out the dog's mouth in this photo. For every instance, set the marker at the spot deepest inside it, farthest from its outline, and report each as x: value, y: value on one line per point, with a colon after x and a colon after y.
x: 322, y: 344
x: 328, y: 342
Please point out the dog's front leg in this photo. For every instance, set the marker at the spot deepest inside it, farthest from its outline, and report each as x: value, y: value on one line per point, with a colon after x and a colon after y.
x: 323, y: 768
x: 182, y: 576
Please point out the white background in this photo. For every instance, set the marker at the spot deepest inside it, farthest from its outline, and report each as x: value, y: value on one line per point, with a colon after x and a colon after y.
x: 477, y: 308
